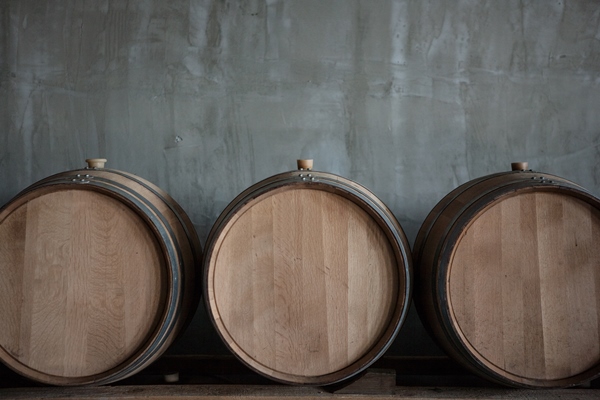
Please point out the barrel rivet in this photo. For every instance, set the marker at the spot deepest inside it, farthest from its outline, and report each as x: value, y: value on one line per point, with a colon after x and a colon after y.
x: 303, y: 179
x: 301, y: 175
x: 312, y: 179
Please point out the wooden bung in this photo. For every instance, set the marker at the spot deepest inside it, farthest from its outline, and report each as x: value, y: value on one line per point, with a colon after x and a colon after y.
x: 96, y: 162
x: 519, y: 166
x: 305, y: 164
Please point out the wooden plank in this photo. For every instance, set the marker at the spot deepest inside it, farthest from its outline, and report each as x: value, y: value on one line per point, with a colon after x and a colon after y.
x: 422, y: 374
x: 225, y: 392
x: 373, y: 381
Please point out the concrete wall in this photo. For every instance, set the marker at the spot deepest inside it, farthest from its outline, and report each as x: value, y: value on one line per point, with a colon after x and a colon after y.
x: 204, y: 98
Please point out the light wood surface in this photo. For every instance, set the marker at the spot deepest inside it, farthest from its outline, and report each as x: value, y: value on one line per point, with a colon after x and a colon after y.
x: 304, y: 285
x: 508, y: 279
x: 524, y: 285
x: 70, y: 303
x: 97, y: 277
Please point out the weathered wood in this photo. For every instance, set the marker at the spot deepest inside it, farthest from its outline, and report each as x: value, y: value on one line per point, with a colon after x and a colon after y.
x: 307, y: 277
x: 508, y: 276
x: 226, y: 392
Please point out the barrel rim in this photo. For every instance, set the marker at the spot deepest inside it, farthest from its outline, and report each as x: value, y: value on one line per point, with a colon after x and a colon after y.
x: 424, y: 236
x: 354, y: 192
x: 190, y: 233
x: 167, y: 313
x: 432, y: 217
x: 446, y: 251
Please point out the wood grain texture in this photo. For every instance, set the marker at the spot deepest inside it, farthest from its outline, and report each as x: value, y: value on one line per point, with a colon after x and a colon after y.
x: 523, y: 285
x: 262, y: 392
x: 508, y: 279
x: 87, y: 291
x: 303, y: 283
x: 76, y: 306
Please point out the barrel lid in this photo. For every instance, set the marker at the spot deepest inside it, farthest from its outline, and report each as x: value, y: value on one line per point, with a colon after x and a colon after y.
x: 288, y: 267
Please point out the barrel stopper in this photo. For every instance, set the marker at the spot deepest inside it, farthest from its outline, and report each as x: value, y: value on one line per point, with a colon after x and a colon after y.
x: 305, y: 164
x: 95, y: 162
x: 519, y: 166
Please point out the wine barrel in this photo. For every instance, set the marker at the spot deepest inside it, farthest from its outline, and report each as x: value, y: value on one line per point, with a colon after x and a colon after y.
x: 507, y: 278
x: 307, y: 277
x: 98, y: 276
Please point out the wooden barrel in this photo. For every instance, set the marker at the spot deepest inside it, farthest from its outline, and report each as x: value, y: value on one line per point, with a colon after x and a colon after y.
x: 97, y: 276
x: 507, y: 275
x: 307, y: 277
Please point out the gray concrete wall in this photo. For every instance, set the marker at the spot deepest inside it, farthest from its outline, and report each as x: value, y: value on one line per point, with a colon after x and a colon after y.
x: 204, y: 98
